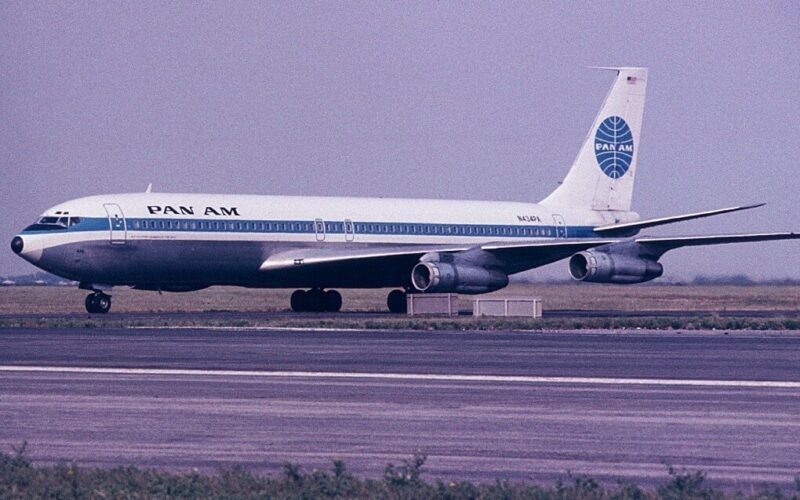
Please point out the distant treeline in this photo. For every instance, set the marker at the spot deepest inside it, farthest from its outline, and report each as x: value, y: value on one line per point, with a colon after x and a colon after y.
x: 38, y: 278
x: 20, y: 479
x: 702, y: 280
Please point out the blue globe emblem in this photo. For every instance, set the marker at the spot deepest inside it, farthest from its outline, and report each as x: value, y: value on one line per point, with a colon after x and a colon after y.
x: 613, y: 147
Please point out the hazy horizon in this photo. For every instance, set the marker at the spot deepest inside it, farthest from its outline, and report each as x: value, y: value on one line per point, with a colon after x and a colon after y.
x: 423, y: 100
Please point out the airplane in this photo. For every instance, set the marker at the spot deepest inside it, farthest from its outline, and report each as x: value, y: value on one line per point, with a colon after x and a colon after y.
x: 184, y: 242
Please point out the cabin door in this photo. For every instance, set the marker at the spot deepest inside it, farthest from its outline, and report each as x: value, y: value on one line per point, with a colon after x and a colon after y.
x: 561, y: 227
x: 349, y: 230
x: 319, y: 229
x: 116, y: 221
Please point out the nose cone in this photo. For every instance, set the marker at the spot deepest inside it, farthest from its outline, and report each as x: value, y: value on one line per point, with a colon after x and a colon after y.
x: 28, y: 246
x: 17, y: 245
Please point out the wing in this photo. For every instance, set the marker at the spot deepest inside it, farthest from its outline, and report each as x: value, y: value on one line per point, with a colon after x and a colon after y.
x: 394, y: 263
x: 389, y: 265
x: 659, y: 246
x: 630, y: 228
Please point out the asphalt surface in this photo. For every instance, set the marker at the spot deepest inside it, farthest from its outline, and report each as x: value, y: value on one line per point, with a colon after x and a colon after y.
x: 481, y: 405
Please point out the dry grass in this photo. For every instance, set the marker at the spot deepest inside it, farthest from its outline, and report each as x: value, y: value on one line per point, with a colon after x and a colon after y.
x: 58, y: 300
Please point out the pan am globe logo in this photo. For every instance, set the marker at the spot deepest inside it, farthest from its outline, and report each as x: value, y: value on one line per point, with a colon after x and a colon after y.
x: 613, y: 147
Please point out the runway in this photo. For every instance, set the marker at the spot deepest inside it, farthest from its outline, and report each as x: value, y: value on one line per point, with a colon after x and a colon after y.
x: 481, y: 405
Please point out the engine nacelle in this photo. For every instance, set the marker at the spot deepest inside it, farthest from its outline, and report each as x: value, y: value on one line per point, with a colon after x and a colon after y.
x: 601, y: 267
x: 444, y: 277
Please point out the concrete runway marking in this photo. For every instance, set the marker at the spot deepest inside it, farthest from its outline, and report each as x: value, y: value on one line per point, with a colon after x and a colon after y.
x: 770, y: 384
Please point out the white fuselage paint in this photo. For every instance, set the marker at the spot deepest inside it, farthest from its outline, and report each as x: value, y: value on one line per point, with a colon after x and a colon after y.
x: 310, y: 209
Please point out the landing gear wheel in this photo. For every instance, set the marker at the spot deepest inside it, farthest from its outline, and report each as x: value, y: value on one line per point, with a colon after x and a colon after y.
x: 397, y: 302
x: 98, y: 303
x: 333, y: 301
x: 316, y: 300
x: 299, y: 301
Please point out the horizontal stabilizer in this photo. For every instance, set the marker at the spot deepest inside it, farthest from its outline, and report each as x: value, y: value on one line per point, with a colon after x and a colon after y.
x: 629, y: 228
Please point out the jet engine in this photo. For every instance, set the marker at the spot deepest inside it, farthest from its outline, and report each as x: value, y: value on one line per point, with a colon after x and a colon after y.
x: 446, y: 277
x: 608, y: 267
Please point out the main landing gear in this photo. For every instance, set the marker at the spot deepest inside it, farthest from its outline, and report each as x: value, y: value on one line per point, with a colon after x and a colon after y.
x: 397, y: 302
x: 316, y: 300
x: 98, y: 303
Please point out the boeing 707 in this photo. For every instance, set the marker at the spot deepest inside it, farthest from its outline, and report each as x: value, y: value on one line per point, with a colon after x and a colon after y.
x: 184, y: 242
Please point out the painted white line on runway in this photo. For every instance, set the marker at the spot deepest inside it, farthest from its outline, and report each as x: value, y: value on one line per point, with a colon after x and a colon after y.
x: 772, y: 384
x: 253, y: 328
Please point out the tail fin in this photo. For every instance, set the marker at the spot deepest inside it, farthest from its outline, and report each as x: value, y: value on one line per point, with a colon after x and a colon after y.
x: 601, y: 178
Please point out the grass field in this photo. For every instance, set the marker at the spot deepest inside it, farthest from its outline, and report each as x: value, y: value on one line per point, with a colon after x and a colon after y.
x: 704, y: 306
x: 15, y: 300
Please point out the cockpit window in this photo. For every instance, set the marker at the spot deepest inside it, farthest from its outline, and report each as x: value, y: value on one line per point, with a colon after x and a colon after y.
x: 61, y: 221
x: 51, y: 223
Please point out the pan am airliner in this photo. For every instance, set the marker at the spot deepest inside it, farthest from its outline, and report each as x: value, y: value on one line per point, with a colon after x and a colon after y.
x: 186, y: 242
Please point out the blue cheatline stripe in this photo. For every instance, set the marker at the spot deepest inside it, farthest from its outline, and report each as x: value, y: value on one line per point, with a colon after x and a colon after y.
x: 330, y: 227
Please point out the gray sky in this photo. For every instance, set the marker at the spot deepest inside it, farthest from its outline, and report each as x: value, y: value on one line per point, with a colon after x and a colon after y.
x: 444, y: 100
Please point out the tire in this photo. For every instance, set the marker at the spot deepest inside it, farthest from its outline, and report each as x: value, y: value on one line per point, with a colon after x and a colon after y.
x: 299, y: 301
x: 396, y: 301
x: 103, y: 303
x: 91, y: 307
x: 333, y: 301
x: 98, y: 303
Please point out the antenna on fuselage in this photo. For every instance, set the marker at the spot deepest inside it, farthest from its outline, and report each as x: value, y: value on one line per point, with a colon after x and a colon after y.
x: 149, y: 188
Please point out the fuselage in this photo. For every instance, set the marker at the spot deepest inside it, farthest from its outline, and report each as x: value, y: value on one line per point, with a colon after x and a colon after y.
x: 186, y: 241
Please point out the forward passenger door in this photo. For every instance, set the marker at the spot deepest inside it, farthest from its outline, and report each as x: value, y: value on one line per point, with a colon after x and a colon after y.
x: 116, y: 221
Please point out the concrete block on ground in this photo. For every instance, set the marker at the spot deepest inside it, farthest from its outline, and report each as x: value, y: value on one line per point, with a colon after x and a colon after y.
x: 443, y: 304
x: 529, y: 307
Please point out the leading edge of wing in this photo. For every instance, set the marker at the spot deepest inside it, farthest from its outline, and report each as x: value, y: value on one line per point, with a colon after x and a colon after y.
x: 631, y: 226
x: 304, y: 257
x: 669, y: 243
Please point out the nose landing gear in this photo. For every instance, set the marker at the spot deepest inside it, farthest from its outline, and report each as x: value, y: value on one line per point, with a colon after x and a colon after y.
x: 98, y: 303
x: 316, y: 300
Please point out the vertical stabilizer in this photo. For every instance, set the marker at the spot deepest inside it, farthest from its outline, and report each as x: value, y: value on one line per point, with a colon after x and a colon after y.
x: 601, y: 178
